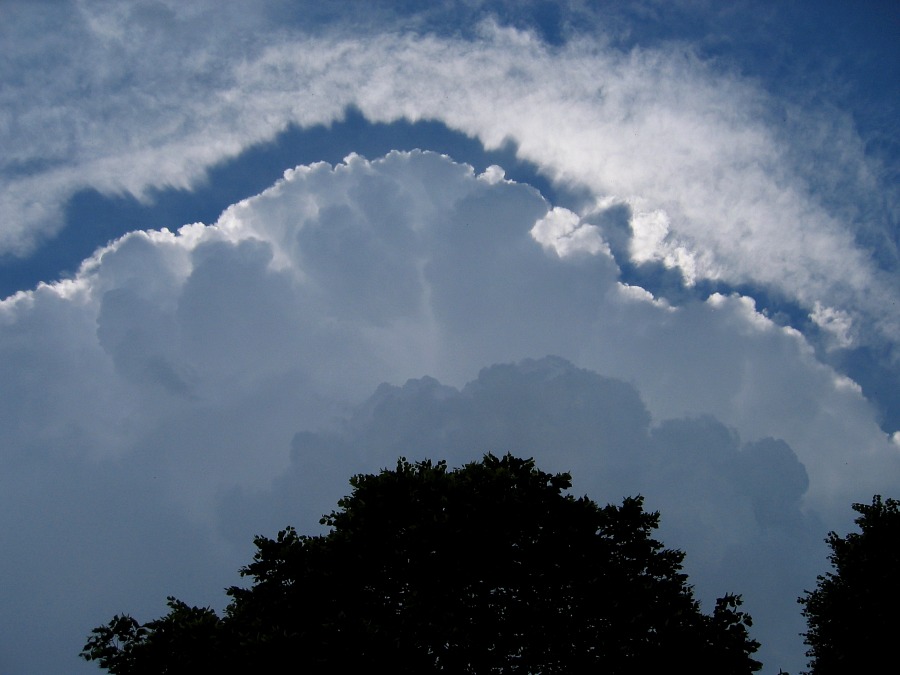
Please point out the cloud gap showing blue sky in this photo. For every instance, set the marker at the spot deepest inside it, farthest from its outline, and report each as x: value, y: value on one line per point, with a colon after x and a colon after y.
x: 651, y: 243
x: 93, y: 219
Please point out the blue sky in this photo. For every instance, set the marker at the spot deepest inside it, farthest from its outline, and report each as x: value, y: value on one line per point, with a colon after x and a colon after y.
x: 248, y: 251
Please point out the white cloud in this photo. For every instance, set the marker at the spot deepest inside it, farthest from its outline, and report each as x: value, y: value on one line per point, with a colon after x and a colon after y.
x: 836, y: 323
x: 493, y: 174
x: 685, y: 146
x: 643, y: 295
x: 562, y: 232
x: 344, y: 277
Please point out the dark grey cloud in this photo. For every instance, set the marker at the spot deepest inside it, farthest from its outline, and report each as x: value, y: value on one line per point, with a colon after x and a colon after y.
x: 735, y: 507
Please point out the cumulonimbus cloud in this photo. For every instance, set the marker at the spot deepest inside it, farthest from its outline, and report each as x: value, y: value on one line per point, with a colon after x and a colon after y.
x: 366, y: 272
x: 181, y: 364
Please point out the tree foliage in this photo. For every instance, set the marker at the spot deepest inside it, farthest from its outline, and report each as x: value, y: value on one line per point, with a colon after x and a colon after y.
x: 852, y: 615
x: 490, y: 568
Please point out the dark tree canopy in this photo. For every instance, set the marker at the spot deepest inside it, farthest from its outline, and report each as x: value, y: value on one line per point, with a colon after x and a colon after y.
x: 489, y: 568
x: 852, y: 615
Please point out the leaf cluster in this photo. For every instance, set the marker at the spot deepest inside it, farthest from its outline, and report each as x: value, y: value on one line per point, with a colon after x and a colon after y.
x: 852, y: 614
x: 490, y: 568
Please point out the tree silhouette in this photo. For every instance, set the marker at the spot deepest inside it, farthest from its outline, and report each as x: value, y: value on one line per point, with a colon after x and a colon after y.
x: 489, y: 568
x: 852, y: 615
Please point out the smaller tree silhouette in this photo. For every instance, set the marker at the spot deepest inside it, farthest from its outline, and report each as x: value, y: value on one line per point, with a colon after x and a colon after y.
x: 489, y: 568
x: 853, y: 615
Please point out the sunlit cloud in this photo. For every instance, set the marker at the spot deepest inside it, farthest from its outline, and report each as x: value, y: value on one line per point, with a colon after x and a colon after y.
x: 695, y: 152
x: 190, y: 359
x: 189, y: 387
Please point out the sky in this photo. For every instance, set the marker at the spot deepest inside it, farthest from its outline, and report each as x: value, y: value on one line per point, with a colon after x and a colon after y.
x: 248, y: 250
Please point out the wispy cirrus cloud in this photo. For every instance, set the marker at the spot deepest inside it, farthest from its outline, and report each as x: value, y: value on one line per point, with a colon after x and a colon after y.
x: 695, y: 152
